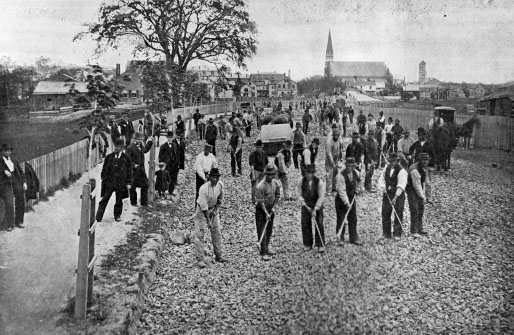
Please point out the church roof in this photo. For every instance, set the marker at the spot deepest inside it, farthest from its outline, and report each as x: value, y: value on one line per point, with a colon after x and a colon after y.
x: 358, y: 69
x: 330, y: 50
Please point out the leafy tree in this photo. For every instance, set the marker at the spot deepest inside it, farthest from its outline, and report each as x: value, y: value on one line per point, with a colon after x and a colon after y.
x: 100, y: 93
x: 16, y: 82
x: 179, y: 31
x: 317, y: 84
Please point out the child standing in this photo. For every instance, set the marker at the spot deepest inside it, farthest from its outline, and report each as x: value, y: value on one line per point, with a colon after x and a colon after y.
x: 163, y: 180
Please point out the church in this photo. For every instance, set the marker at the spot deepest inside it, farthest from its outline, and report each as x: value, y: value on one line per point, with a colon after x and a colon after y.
x: 356, y: 73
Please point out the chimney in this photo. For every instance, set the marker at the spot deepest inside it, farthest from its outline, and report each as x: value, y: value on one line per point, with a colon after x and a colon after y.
x: 118, y: 71
x: 289, y: 74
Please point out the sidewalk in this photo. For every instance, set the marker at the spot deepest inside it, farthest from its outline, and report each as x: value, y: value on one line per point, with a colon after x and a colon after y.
x: 37, y: 264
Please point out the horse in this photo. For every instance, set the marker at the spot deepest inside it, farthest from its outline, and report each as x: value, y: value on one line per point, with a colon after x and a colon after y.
x: 466, y: 130
x: 444, y: 141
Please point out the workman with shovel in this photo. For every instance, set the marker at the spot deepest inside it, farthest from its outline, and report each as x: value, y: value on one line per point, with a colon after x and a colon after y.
x: 419, y: 193
x: 311, y: 191
x: 267, y: 195
x: 207, y: 215
x: 393, y: 181
x: 348, y: 185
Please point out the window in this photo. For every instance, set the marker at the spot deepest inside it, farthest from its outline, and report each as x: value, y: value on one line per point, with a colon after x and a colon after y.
x: 124, y: 94
x: 133, y: 94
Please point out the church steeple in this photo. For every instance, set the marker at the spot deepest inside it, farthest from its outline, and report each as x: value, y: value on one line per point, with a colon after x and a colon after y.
x: 330, y: 52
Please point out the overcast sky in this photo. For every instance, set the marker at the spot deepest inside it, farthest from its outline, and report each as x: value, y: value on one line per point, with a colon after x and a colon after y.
x: 460, y: 40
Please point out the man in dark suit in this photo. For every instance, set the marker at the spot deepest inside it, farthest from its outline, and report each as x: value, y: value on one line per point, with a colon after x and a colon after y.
x: 136, y: 152
x: 169, y: 155
x: 181, y: 147
x: 126, y: 128
x: 114, y: 129
x: 12, y: 189
x: 116, y: 177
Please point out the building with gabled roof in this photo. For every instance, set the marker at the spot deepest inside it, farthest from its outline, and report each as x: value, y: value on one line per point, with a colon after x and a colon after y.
x: 346, y: 71
x: 55, y: 95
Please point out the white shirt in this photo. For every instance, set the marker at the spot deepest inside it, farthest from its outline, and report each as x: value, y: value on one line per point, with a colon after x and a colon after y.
x: 9, y: 163
x: 402, y: 180
x: 388, y: 128
x: 204, y: 164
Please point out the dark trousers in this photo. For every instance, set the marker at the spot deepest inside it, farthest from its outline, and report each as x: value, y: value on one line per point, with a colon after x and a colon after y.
x: 344, y: 129
x: 248, y: 130
x: 260, y: 222
x: 305, y: 127
x: 144, y: 195
x: 417, y: 208
x: 350, y: 116
x: 213, y: 143
x: 6, y: 193
x: 173, y: 171
x: 297, y: 151
x: 19, y: 203
x: 307, y: 228
x: 118, y: 206
x: 370, y: 169
x: 199, y: 183
x: 235, y: 161
x: 387, y: 211
x: 341, y: 210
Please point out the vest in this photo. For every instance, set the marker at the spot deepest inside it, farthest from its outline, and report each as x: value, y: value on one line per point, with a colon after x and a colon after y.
x: 392, y: 181
x: 362, y: 128
x: 233, y: 141
x: 310, y: 196
x: 287, y: 157
x: 422, y: 173
x: 298, y: 137
x: 351, y: 186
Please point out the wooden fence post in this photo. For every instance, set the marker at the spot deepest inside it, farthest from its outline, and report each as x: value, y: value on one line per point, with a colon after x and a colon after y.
x: 82, y: 273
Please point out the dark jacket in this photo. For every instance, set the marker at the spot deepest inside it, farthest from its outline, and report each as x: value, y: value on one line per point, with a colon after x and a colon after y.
x: 355, y: 150
x: 180, y: 125
x: 259, y: 160
x: 127, y: 128
x: 169, y: 155
x: 116, y: 174
x: 162, y: 181
x: 17, y: 177
x: 181, y: 149
x: 211, y: 133
x: 137, y: 158
x: 32, y: 182
x: 417, y: 148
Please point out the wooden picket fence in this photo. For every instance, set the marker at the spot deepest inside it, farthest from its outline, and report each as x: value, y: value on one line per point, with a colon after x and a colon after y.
x: 494, y: 132
x: 55, y: 168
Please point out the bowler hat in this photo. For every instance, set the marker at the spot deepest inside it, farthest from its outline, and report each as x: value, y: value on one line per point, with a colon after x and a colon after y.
x: 119, y: 142
x: 370, y: 114
x: 397, y: 121
x: 350, y: 161
x: 298, y: 124
x: 421, y: 131
x: 393, y: 155
x: 270, y: 170
x: 315, y: 140
x: 210, y: 120
x: 162, y: 164
x: 207, y: 146
x: 214, y: 172
x: 355, y: 134
x: 288, y: 143
x: 6, y: 147
x: 423, y: 156
x: 258, y: 143
x: 169, y: 134
x: 406, y: 131
x: 310, y: 168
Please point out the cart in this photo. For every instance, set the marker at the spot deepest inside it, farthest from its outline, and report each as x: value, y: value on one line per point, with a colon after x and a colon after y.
x: 273, y: 137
